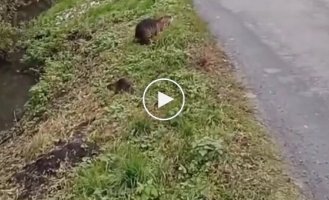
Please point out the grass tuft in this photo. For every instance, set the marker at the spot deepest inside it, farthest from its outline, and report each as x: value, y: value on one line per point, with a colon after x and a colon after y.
x: 120, y: 173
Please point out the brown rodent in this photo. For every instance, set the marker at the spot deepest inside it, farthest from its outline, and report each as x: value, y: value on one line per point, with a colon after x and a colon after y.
x: 121, y: 85
x: 148, y: 28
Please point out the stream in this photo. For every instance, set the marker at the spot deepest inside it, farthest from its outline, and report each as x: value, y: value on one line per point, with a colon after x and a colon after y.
x: 14, y: 89
x: 14, y: 86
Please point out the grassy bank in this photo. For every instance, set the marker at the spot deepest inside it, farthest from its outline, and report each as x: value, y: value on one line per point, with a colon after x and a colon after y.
x: 8, y: 35
x: 214, y: 150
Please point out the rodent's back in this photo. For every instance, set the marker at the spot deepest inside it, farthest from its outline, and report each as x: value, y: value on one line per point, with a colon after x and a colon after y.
x: 146, y: 29
x: 120, y: 85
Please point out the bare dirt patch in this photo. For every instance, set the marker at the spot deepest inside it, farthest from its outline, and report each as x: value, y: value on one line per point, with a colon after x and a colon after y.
x: 67, y: 154
x: 38, y: 172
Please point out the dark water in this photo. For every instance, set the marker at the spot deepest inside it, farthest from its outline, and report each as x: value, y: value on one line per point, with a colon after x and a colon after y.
x: 14, y: 87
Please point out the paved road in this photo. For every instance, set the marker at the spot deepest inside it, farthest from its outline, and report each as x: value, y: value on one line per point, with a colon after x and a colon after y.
x: 282, y: 49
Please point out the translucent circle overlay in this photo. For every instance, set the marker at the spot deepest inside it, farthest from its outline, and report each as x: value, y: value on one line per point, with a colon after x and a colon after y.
x: 181, y: 90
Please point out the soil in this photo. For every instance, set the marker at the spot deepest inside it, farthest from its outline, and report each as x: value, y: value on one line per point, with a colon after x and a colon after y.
x: 65, y: 154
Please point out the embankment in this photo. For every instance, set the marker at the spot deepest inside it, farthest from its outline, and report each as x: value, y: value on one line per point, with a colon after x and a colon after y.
x: 214, y: 150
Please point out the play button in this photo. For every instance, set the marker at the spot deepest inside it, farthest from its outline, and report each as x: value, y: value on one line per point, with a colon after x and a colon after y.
x: 163, y: 99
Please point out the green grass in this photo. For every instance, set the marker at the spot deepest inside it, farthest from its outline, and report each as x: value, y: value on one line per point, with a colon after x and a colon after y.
x: 8, y: 35
x: 214, y: 150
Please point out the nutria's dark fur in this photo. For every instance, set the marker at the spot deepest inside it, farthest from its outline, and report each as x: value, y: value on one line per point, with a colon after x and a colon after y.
x: 121, y: 85
x: 148, y: 28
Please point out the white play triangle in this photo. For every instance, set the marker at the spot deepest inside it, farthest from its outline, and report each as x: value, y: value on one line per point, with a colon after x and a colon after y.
x: 163, y: 99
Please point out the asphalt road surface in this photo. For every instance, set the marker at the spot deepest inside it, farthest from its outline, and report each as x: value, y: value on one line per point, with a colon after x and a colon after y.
x: 281, y: 49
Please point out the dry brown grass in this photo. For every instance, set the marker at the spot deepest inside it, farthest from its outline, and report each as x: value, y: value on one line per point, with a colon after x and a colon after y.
x: 81, y: 106
x: 208, y: 57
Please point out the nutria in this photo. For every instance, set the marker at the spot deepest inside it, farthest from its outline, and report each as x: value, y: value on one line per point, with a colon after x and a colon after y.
x: 148, y: 28
x: 121, y: 85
